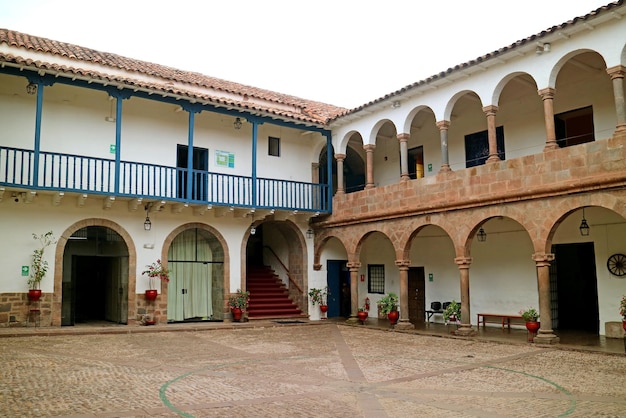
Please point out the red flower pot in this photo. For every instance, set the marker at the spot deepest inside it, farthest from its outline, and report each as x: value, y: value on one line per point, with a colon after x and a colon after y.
x: 393, y: 317
x: 624, y: 324
x: 362, y: 315
x: 34, y: 294
x: 237, y: 313
x: 151, y: 294
x: 532, y: 326
x: 324, y: 308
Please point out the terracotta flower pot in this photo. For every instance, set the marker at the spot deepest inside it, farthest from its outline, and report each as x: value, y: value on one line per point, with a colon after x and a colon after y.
x: 151, y: 294
x: 532, y: 326
x: 237, y: 314
x: 324, y: 308
x: 393, y: 317
x: 362, y: 315
x: 34, y: 294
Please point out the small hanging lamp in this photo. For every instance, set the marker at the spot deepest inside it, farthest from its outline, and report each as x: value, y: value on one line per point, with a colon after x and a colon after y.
x: 584, y: 226
x: 147, y: 225
x: 481, y: 235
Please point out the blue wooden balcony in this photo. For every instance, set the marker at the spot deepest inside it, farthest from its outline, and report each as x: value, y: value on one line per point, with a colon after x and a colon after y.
x: 80, y: 174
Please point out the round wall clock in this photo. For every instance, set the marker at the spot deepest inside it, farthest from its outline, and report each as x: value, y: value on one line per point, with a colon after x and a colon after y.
x: 617, y: 264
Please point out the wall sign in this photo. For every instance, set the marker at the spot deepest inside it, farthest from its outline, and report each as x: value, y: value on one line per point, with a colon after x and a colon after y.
x: 225, y: 159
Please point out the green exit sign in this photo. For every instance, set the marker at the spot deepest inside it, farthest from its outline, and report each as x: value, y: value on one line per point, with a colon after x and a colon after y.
x: 25, y: 270
x: 112, y: 148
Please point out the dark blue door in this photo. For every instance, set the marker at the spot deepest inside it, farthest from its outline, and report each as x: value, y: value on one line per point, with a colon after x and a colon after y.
x: 338, y: 279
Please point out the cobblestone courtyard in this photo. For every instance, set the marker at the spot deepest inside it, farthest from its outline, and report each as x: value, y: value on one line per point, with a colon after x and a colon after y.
x: 324, y: 370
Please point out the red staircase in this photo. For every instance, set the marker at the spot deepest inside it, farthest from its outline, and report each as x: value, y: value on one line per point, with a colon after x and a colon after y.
x: 269, y: 297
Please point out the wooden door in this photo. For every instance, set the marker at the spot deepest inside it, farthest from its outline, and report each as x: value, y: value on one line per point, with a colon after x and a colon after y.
x: 417, y: 297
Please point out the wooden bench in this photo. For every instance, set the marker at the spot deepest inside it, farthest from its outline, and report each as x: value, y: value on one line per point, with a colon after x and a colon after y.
x: 499, y: 319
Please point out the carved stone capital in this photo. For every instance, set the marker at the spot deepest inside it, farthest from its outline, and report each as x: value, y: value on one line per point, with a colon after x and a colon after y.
x: 353, y: 265
x: 547, y: 93
x: 443, y: 125
x: 403, y: 264
x: 463, y: 262
x: 617, y: 71
x: 403, y: 137
x: 490, y: 110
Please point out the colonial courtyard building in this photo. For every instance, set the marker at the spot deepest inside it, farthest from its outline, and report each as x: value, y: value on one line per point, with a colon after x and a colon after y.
x: 499, y: 184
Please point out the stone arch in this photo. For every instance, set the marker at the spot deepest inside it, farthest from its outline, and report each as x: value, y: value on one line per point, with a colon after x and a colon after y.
x: 57, y: 298
x: 297, y: 257
x: 319, y: 247
x: 558, y: 66
x: 453, y: 100
x: 222, y: 242
x: 497, y: 91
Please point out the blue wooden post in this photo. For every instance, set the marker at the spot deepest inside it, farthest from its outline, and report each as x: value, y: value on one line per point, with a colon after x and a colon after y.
x: 192, y: 118
x: 255, y: 132
x: 329, y: 170
x: 35, y: 179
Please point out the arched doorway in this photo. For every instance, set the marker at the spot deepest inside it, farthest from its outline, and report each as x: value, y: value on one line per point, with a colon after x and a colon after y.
x: 196, y: 288
x: 275, y: 270
x: 95, y: 277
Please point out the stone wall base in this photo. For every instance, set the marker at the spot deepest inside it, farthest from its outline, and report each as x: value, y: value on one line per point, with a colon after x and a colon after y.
x: 613, y: 330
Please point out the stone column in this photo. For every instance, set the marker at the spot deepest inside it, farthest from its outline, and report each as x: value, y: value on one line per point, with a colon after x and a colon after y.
x: 354, y: 290
x: 617, y: 76
x: 547, y: 95
x: 443, y: 126
x: 340, y: 158
x: 465, y: 329
x: 404, y: 156
x: 403, y: 322
x: 545, y: 334
x: 369, y: 165
x: 491, y: 111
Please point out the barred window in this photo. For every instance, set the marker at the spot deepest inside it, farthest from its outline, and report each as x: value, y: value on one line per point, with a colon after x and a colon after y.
x: 273, y: 146
x: 376, y: 278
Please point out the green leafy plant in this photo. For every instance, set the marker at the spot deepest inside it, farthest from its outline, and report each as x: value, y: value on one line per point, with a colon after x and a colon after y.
x: 240, y: 300
x: 156, y: 270
x: 452, y: 313
x: 388, y: 303
x: 39, y: 266
x: 622, y: 308
x: 318, y: 296
x: 529, y: 315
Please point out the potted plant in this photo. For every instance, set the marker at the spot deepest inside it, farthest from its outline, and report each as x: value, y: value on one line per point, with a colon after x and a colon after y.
x: 452, y: 313
x: 362, y: 314
x: 238, y: 303
x: 622, y: 311
x: 531, y: 316
x: 388, y: 305
x: 39, y: 266
x: 154, y: 271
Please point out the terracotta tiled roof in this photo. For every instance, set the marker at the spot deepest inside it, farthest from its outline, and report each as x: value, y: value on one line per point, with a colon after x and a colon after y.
x: 163, y: 79
x: 491, y: 55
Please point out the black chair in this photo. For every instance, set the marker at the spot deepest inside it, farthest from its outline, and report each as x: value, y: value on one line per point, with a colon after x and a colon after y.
x: 435, y: 307
x: 446, y: 304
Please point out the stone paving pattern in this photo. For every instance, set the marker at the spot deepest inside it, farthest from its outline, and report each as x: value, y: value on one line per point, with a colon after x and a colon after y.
x: 325, y: 370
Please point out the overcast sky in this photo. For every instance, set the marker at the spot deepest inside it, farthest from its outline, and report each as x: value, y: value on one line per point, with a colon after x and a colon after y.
x: 342, y: 52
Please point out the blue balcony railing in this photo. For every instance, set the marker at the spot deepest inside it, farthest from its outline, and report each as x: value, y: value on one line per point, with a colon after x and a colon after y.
x: 75, y: 173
